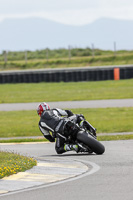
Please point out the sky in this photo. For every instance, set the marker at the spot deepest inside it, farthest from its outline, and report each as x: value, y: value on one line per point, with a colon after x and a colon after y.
x: 72, y: 12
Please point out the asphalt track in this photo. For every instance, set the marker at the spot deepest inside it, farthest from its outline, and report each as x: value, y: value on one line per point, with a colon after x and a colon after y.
x: 70, y: 104
x: 99, y: 177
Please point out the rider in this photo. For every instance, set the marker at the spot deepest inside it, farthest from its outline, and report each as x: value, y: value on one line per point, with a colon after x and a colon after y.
x: 59, y: 124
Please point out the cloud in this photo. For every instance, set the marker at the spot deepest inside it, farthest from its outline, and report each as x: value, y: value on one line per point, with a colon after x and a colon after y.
x: 11, y: 6
x: 74, y: 12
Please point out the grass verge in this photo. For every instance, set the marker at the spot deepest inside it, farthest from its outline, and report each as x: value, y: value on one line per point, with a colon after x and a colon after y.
x: 100, y: 138
x: 11, y: 163
x: 71, y: 91
x: 115, y: 137
x: 105, y: 120
x: 98, y: 60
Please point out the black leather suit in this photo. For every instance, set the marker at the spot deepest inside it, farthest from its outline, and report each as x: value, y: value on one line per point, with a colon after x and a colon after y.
x: 52, y: 124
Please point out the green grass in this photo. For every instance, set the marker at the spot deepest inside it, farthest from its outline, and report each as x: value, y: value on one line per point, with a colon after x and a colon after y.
x: 38, y: 92
x: 23, y: 140
x: 109, y: 120
x: 115, y: 137
x: 59, y: 54
x: 99, y: 138
x: 60, y: 59
x: 11, y: 163
x: 106, y: 120
x: 19, y: 123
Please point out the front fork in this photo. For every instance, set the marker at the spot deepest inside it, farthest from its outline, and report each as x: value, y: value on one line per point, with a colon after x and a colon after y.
x: 90, y: 129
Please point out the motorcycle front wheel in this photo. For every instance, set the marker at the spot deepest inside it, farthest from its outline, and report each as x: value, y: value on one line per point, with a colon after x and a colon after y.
x: 91, y: 142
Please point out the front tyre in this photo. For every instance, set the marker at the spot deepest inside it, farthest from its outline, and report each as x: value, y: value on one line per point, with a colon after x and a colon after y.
x: 91, y: 142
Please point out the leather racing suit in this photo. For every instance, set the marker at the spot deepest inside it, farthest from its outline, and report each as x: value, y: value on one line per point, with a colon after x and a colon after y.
x: 52, y: 124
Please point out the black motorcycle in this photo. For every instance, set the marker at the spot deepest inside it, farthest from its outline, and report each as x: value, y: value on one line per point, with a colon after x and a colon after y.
x: 86, y: 139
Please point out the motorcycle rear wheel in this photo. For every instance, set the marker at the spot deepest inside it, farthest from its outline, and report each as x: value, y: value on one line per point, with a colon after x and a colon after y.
x: 91, y: 142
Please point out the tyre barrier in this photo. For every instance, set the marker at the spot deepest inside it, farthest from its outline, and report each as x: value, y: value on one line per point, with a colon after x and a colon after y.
x: 67, y: 75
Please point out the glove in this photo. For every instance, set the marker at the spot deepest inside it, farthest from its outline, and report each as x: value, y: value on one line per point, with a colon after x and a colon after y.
x: 69, y: 112
x: 80, y: 118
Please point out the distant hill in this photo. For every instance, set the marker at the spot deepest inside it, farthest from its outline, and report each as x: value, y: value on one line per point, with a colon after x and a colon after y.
x: 37, y: 33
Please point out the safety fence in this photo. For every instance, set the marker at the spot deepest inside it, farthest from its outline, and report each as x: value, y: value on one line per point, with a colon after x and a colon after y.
x: 68, y: 74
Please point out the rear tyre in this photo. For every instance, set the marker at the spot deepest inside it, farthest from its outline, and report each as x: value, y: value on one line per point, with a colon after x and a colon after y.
x: 91, y: 142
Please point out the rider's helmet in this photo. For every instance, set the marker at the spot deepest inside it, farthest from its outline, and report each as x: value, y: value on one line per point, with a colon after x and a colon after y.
x: 42, y: 107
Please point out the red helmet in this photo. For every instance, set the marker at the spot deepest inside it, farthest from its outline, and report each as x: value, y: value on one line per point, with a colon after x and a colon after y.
x: 42, y: 107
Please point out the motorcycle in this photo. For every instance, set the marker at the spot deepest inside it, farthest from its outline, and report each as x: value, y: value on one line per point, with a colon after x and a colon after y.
x: 86, y: 139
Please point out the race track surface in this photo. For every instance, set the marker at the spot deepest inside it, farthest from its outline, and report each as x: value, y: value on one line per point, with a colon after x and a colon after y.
x: 111, y: 177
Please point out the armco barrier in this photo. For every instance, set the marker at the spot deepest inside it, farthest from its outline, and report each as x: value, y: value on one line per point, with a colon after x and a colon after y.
x: 67, y: 74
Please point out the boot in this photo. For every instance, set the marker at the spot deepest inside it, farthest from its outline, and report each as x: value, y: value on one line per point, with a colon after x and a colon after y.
x: 71, y: 147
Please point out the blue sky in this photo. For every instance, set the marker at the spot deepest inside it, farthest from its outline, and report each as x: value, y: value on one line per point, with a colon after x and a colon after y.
x: 74, y: 12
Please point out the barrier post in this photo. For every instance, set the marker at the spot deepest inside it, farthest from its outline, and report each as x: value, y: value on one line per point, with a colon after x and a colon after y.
x: 116, y: 74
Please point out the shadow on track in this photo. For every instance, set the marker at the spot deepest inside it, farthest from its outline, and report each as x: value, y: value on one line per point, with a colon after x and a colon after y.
x: 68, y: 155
